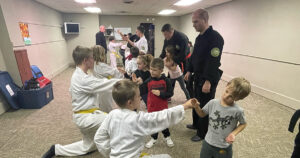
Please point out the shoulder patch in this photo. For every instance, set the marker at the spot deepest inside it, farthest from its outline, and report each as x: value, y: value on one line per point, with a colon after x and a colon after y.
x: 215, y: 52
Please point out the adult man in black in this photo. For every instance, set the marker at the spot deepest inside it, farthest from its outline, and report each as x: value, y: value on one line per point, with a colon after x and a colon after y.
x: 100, y: 39
x: 179, y: 41
x: 205, y: 63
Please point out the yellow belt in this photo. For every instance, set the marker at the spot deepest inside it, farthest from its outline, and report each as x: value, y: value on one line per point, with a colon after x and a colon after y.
x: 86, y: 111
x: 116, y: 54
x: 143, y: 154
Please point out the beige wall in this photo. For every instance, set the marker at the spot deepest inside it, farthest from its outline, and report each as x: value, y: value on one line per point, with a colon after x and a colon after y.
x: 7, y: 59
x: 261, y: 44
x: 134, y: 21
x: 88, y: 29
x: 48, y: 49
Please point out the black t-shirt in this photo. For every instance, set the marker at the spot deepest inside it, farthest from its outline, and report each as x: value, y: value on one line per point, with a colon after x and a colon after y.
x: 180, y: 42
x: 205, y: 60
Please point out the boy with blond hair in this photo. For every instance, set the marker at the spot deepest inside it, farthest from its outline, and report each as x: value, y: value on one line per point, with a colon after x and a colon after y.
x: 87, y: 116
x: 226, y: 119
x: 123, y: 131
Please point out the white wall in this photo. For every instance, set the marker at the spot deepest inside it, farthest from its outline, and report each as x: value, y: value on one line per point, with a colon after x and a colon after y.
x: 134, y: 21
x: 88, y: 29
x: 261, y: 44
x: 48, y: 50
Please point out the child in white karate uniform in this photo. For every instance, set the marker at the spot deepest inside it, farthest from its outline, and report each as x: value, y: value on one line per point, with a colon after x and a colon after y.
x: 122, y: 133
x: 87, y: 116
x: 113, y: 47
x: 131, y: 65
x: 102, y: 70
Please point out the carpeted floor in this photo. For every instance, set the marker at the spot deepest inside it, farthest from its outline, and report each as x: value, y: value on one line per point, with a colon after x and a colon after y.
x: 29, y: 133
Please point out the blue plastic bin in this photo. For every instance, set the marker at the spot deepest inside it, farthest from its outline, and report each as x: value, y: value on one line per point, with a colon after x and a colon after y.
x: 35, y: 98
x: 9, y: 89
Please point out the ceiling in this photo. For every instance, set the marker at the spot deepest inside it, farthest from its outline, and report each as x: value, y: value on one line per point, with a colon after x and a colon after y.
x: 137, y: 7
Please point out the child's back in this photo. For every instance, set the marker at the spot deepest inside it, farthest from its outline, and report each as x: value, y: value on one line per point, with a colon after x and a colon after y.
x: 122, y: 133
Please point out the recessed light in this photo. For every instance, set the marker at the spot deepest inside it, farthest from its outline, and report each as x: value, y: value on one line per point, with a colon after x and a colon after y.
x: 186, y: 2
x: 167, y: 12
x: 93, y: 9
x: 85, y: 1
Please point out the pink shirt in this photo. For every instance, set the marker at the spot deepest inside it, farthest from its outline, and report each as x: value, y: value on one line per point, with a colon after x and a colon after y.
x: 173, y: 73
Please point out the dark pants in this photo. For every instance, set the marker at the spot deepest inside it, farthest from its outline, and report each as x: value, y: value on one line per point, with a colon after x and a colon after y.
x: 144, y: 97
x: 208, y: 151
x: 190, y: 86
x: 202, y: 123
x: 165, y: 132
x: 296, y: 152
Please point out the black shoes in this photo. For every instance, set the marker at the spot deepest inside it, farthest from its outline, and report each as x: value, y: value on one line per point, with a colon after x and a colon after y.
x: 191, y: 127
x: 196, y: 138
x: 50, y: 153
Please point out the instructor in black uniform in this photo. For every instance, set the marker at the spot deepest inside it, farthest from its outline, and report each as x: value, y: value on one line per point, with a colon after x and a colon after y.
x: 178, y: 40
x: 204, y: 63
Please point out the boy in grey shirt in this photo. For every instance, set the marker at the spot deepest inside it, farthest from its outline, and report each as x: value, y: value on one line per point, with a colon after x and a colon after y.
x: 224, y: 116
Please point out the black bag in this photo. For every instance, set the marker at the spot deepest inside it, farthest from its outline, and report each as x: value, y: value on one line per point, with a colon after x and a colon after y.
x: 32, y: 84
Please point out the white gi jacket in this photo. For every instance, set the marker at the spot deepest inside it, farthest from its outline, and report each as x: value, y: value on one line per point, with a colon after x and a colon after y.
x: 131, y: 66
x: 122, y: 133
x: 142, y: 44
x: 85, y: 90
x: 103, y: 70
x: 112, y: 47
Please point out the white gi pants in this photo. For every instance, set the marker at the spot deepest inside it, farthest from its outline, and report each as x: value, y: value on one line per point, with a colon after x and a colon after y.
x: 113, y: 60
x: 88, y: 125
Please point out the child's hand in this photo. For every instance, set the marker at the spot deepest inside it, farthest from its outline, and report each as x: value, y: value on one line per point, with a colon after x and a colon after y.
x: 156, y: 92
x: 195, y: 103
x: 133, y: 77
x: 230, y: 138
x: 189, y: 104
x: 121, y: 69
x: 139, y: 80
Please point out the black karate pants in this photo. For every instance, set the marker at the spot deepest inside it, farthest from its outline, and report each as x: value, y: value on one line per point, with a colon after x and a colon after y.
x: 202, y: 123
x: 165, y: 132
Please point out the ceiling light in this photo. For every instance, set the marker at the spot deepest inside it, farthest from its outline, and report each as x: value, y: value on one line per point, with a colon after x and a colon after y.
x: 93, y: 9
x: 186, y: 2
x: 85, y: 1
x: 167, y: 12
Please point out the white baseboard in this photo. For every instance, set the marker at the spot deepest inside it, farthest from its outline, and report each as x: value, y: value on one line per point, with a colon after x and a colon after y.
x: 61, y: 69
x: 280, y: 98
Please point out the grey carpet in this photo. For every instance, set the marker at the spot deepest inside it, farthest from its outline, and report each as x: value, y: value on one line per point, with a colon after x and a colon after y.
x: 30, y: 133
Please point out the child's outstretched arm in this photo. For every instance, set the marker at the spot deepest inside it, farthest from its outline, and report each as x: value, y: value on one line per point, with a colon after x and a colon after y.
x: 231, y: 137
x: 198, y: 110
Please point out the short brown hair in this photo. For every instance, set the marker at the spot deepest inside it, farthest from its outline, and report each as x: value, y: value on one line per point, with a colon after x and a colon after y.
x: 123, y: 91
x: 99, y: 54
x: 202, y: 14
x: 134, y: 51
x: 157, y: 63
x: 171, y: 49
x: 80, y: 53
x: 146, y: 59
x: 240, y: 87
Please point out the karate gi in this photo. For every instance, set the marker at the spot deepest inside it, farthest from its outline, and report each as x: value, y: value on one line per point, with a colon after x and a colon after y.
x: 85, y: 91
x: 123, y: 132
x: 101, y: 71
x: 112, y: 47
x: 142, y: 44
